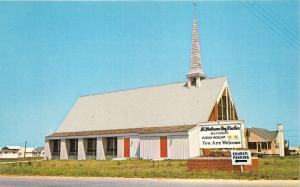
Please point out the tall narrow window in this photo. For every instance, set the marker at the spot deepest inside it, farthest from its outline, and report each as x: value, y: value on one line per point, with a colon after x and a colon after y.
x: 73, y: 149
x: 264, y: 145
x: 220, y: 110
x: 111, y: 149
x: 250, y: 145
x: 254, y: 145
x: 269, y: 145
x: 224, y: 107
x: 91, y: 146
x: 56, y: 148
x: 229, y: 109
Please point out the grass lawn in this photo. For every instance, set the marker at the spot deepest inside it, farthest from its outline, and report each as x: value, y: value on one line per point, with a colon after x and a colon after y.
x: 270, y: 168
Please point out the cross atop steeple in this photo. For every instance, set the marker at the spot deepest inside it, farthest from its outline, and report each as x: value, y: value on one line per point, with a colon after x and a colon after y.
x: 195, y: 74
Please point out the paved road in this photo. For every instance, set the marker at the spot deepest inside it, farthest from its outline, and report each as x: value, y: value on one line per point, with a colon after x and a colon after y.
x: 122, y: 182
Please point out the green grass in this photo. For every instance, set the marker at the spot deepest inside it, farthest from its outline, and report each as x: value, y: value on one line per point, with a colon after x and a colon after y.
x: 270, y: 168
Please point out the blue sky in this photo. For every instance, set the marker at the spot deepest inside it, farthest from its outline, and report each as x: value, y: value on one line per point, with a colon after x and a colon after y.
x: 53, y: 52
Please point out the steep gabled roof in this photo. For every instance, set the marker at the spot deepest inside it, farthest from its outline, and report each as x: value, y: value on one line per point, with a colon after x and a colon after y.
x: 264, y: 133
x: 166, y: 105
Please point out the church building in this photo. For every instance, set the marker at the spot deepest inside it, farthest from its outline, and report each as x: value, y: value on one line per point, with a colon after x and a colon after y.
x: 156, y: 122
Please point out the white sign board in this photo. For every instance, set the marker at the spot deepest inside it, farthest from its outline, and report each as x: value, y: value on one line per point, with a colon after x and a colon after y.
x: 220, y: 136
x: 241, y: 157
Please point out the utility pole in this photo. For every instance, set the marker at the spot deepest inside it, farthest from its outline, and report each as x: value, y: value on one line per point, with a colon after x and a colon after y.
x: 25, y: 148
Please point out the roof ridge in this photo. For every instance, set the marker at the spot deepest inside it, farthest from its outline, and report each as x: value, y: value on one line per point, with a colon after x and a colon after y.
x: 144, y: 87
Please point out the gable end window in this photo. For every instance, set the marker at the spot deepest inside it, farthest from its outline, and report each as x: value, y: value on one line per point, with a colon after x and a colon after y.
x: 226, y: 109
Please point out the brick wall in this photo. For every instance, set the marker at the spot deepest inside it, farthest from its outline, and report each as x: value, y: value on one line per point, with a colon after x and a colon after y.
x: 223, y: 164
x: 215, y: 153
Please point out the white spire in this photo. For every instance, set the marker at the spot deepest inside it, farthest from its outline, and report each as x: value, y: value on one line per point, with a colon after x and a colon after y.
x: 195, y: 71
x: 195, y: 57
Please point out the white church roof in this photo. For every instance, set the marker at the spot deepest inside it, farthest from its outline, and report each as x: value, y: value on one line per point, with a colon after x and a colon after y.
x: 165, y: 105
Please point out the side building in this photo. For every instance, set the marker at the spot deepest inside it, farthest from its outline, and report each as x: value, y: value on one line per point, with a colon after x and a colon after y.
x: 265, y: 142
x: 9, y: 152
x: 148, y: 123
x: 14, y: 152
x: 38, y: 152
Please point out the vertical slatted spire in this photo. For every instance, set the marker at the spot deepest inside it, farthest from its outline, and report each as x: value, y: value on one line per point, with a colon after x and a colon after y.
x: 195, y: 64
x: 195, y: 73
x: 195, y: 57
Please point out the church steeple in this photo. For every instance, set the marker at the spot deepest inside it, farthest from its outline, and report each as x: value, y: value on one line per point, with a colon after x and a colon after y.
x: 195, y: 74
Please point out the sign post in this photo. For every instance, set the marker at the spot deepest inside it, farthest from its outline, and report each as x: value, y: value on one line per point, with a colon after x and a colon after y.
x: 241, y: 158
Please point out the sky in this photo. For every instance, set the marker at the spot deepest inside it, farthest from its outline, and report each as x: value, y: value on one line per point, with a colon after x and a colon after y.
x: 53, y: 52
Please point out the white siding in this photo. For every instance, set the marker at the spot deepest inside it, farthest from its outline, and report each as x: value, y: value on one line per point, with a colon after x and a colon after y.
x: 120, y: 152
x: 47, y: 150
x: 82, y: 149
x: 64, y: 146
x: 243, y: 135
x: 280, y: 139
x: 9, y: 154
x: 134, y: 147
x: 100, y: 154
x: 150, y: 147
x: 194, y: 149
x: 178, y: 147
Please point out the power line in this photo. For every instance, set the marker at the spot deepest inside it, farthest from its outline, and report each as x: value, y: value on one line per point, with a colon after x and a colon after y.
x: 277, y: 29
x: 270, y: 25
x: 279, y: 32
x: 284, y: 27
x: 274, y: 22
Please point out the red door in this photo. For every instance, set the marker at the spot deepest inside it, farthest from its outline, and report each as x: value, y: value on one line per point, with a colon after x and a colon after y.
x: 163, y: 147
x: 126, y: 147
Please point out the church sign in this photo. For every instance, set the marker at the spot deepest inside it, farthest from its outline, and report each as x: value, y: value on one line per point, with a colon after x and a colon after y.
x: 221, y: 136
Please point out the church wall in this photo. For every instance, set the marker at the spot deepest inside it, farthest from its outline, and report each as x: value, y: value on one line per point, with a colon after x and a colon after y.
x: 178, y: 147
x: 134, y: 147
x: 150, y: 147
